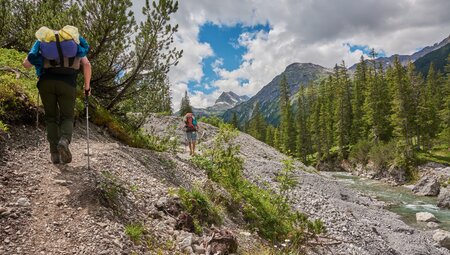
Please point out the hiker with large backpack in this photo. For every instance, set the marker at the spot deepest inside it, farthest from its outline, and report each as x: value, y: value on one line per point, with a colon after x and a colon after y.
x: 58, y: 57
x: 191, y: 128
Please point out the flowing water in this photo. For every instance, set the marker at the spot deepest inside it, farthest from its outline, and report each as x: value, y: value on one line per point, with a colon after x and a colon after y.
x: 402, y: 200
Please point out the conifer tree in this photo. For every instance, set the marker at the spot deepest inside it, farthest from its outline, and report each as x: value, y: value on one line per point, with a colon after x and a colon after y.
x: 257, y: 125
x: 343, y: 108
x: 303, y: 134
x: 185, y: 105
x: 428, y: 115
x: 359, y: 90
x: 402, y: 117
x: 327, y: 115
x: 287, y: 128
x: 377, y: 105
x: 445, y: 111
x: 235, y: 121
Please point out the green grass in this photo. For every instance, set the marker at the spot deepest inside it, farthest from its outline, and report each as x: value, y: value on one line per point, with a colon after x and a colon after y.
x: 135, y: 232
x: 439, y: 154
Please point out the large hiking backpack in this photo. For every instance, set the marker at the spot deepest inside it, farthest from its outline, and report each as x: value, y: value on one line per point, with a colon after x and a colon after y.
x: 61, y: 56
x: 191, y: 124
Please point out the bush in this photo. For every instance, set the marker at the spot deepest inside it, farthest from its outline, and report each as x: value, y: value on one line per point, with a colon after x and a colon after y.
x: 359, y: 153
x: 134, y: 231
x: 382, y: 155
x: 199, y: 206
x: 264, y: 210
x: 213, y: 120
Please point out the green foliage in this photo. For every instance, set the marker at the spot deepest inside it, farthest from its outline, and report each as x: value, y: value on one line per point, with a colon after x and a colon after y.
x: 134, y: 232
x: 382, y: 155
x: 140, y: 54
x: 140, y: 138
x: 359, y: 153
x: 3, y: 127
x: 212, y: 120
x: 257, y: 125
x: 438, y: 57
x: 200, y: 207
x: 185, y: 106
x: 262, y: 209
x: 287, y: 127
x: 343, y: 108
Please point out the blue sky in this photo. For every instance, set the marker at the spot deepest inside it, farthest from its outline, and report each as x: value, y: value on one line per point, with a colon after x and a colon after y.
x: 227, y: 52
x: 323, y: 32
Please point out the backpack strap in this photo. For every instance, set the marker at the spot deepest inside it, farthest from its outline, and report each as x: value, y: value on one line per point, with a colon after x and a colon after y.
x: 60, y: 53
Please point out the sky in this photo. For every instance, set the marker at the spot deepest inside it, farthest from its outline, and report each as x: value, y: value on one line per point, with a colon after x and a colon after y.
x: 241, y: 45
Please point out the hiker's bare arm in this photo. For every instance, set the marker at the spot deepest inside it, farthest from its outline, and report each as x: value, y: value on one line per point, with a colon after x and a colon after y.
x: 87, y: 72
x: 26, y: 63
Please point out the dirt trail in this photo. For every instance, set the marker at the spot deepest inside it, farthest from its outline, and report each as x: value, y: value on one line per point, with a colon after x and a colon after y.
x: 57, y: 209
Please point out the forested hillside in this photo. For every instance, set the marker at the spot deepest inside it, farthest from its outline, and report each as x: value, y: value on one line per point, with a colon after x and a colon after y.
x: 393, y: 117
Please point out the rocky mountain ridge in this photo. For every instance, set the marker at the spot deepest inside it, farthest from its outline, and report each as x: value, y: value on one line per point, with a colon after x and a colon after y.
x: 297, y: 74
x: 405, y: 59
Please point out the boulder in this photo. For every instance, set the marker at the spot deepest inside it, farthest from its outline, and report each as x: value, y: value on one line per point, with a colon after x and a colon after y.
x: 432, y: 225
x: 442, y: 238
x: 427, y: 186
x: 222, y: 242
x: 444, y: 198
x: 425, y: 217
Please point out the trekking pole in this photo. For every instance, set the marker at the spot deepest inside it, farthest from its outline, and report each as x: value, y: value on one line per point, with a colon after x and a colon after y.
x: 86, y: 104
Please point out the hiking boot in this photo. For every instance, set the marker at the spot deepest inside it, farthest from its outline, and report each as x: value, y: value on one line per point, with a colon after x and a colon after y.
x: 55, y: 158
x: 63, y: 148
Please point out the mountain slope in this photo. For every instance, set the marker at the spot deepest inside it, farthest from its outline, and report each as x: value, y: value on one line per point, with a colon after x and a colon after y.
x: 438, y: 57
x: 225, y: 101
x: 404, y: 59
x: 296, y: 74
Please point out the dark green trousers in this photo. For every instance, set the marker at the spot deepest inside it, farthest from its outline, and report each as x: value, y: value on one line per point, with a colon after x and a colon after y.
x: 58, y: 98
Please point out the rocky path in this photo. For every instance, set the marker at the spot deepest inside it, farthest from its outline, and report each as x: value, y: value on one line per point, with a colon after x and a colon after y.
x: 60, y: 209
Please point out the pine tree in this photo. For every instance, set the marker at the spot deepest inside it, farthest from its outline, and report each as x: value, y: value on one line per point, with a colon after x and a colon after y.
x: 445, y: 111
x: 343, y: 108
x: 287, y: 128
x: 235, y: 121
x: 428, y: 117
x: 185, y: 105
x: 327, y: 116
x: 270, y: 135
x: 402, y: 117
x: 317, y: 130
x: 257, y: 125
x: 377, y: 105
x: 359, y: 90
x: 303, y: 134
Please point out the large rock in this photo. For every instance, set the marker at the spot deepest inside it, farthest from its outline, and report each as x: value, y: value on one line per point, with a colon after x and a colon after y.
x: 425, y: 217
x: 442, y: 238
x: 427, y: 186
x: 444, y: 198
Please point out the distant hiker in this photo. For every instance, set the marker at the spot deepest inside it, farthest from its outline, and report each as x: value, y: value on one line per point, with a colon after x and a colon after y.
x: 57, y: 57
x: 191, y: 127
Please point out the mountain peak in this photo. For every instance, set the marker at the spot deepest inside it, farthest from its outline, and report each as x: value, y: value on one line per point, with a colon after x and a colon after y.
x: 230, y: 98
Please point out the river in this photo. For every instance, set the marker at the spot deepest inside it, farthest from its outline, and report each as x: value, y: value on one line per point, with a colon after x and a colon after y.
x: 401, y: 200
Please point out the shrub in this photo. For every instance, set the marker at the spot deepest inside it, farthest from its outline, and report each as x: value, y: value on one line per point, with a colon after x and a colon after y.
x: 382, y: 155
x: 265, y: 210
x: 359, y: 153
x: 134, y: 231
x: 213, y: 120
x: 199, y: 206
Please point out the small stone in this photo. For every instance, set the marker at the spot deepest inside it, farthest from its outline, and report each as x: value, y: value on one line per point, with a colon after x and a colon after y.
x: 245, y: 233
x: 432, y: 225
x: 186, y: 242
x: 199, y: 249
x: 425, y: 217
x: 23, y: 202
x: 442, y: 238
x: 188, y: 250
x: 63, y: 182
x: 161, y: 203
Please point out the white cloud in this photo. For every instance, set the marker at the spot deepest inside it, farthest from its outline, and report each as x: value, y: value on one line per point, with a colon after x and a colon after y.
x: 301, y: 31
